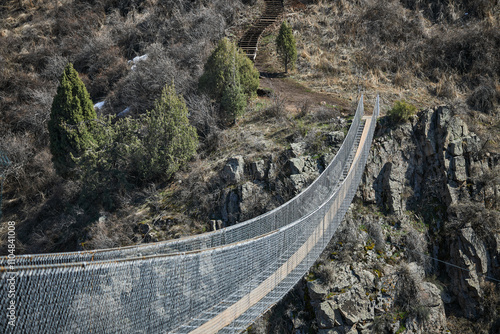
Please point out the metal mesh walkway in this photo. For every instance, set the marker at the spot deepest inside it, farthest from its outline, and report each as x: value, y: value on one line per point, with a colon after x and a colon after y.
x: 222, y: 282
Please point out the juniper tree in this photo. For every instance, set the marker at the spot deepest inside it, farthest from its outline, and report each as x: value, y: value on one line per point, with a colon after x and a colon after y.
x: 169, y: 140
x: 133, y: 151
x: 68, y: 126
x: 228, y: 74
x: 233, y: 101
x: 286, y: 46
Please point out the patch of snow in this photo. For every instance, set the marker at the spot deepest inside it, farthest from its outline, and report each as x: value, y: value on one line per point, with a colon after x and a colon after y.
x: 136, y: 60
x: 99, y: 105
x: 124, y: 112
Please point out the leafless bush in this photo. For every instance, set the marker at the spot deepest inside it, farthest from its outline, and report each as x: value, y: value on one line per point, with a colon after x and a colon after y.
x: 347, y: 238
x: 451, y: 10
x: 483, y: 98
x: 325, y: 274
x: 324, y: 114
x: 102, y: 235
x: 490, y: 304
x: 204, y: 115
x: 304, y: 108
x: 142, y: 86
x: 101, y: 60
x: 277, y: 107
x: 386, y: 22
x: 54, y: 66
x: 485, y: 222
x: 407, y: 295
x: 316, y: 141
x: 446, y: 87
x: 415, y: 247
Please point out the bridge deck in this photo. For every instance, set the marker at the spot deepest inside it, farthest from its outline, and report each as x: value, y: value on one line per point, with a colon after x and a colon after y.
x: 226, y: 317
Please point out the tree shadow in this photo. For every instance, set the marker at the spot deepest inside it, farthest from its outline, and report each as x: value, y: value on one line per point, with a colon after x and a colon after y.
x: 272, y: 75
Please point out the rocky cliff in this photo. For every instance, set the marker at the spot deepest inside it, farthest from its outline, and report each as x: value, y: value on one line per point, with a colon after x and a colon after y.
x: 419, y: 248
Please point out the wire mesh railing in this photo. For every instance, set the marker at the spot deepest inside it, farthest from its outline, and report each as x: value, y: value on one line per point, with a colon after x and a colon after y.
x: 315, y: 194
x: 200, y: 291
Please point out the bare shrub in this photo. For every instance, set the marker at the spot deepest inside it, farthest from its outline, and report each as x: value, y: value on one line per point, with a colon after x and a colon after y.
x: 325, y: 114
x: 385, y: 21
x: 304, y: 108
x: 101, y: 60
x: 316, y: 141
x: 449, y: 10
x: 485, y: 222
x: 142, y: 86
x: 54, y: 66
x: 325, y: 274
x: 415, y: 247
x: 102, y: 235
x: 205, y: 117
x: 446, y: 87
x: 407, y: 295
x: 277, y: 107
x: 490, y: 304
x: 483, y: 98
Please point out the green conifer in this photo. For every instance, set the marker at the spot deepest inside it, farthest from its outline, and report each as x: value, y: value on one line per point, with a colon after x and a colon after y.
x: 286, y: 46
x: 170, y: 140
x: 68, y: 126
x: 218, y: 78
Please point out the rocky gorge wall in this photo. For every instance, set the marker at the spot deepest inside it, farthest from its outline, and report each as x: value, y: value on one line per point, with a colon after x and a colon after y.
x: 429, y: 195
x: 435, y: 162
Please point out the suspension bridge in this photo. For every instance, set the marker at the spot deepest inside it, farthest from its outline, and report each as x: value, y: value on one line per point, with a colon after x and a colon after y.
x: 217, y: 282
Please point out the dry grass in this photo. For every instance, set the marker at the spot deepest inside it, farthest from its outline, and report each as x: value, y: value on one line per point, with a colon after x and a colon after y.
x: 426, y: 52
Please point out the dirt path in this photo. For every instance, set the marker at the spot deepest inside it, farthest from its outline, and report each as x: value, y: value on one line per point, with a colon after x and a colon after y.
x: 295, y: 95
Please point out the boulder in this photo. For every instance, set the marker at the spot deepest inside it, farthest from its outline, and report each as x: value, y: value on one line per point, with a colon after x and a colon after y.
x: 470, y: 252
x: 233, y: 170
x: 327, y: 316
x: 335, y: 137
x: 295, y: 166
x: 298, y: 149
x: 455, y: 147
x: 299, y: 182
x: 258, y: 169
x: 354, y: 306
x: 317, y: 291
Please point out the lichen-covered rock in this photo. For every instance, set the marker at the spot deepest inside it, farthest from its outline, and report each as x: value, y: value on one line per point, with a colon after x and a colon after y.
x: 328, y: 315
x: 468, y: 251
x: 335, y: 137
x: 258, y: 169
x: 296, y: 166
x: 233, y: 170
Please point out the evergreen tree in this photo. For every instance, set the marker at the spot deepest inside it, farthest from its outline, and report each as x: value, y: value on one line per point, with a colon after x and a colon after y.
x: 170, y: 140
x: 128, y: 151
x: 286, y: 46
x: 233, y: 101
x: 68, y: 126
x: 110, y: 166
x: 225, y: 65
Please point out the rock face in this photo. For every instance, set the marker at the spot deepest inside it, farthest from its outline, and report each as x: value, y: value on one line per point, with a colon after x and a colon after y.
x: 431, y: 157
x: 432, y: 163
x: 248, y: 186
x: 233, y: 170
x: 354, y: 297
x: 436, y: 159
